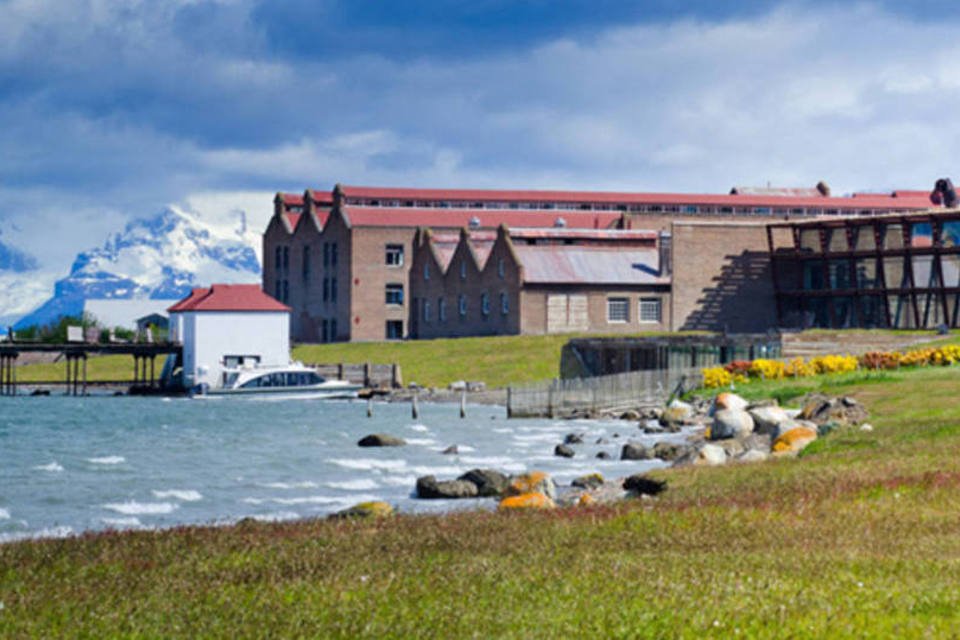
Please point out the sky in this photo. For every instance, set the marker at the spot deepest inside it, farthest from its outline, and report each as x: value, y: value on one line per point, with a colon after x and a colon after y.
x: 113, y: 109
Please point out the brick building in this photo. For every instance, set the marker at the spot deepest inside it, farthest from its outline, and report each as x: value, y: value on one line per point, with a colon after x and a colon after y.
x: 342, y: 260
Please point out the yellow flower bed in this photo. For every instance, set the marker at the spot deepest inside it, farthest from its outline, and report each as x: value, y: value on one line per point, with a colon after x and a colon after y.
x: 762, y: 369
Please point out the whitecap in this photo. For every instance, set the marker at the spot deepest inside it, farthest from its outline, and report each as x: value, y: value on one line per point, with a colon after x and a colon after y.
x: 277, y: 516
x: 324, y: 500
x: 185, y: 495
x: 398, y: 481
x: 47, y: 532
x: 437, y: 471
x: 354, y: 485
x: 419, y: 427
x: 132, y: 508
x: 465, y: 448
x: 253, y: 500
x: 423, y: 442
x: 4, y: 514
x: 53, y: 467
x: 288, y: 485
x: 107, y: 460
x: 131, y: 521
x: 367, y: 464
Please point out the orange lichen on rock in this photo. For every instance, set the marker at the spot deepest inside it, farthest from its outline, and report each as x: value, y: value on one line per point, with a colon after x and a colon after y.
x: 532, y: 482
x: 533, y: 500
x: 794, y: 440
x: 586, y: 500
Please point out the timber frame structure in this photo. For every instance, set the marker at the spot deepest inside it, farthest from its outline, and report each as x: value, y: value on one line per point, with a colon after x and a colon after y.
x: 897, y: 271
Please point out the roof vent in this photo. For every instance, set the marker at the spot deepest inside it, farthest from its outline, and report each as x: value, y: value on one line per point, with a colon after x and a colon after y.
x: 560, y: 223
x: 474, y: 222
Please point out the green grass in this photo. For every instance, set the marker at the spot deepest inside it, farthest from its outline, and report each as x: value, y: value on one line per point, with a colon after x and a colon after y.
x: 856, y: 538
x: 98, y: 368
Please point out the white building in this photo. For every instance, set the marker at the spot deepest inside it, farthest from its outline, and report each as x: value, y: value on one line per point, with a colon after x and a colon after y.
x: 229, y: 325
x: 114, y: 312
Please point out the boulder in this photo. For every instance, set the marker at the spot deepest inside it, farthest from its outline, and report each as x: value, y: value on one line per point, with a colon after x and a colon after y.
x: 710, y: 455
x: 489, y: 482
x: 374, y: 509
x: 753, y: 455
x: 452, y: 450
x: 677, y: 413
x: 790, y: 425
x: 642, y: 484
x: 573, y: 438
x: 767, y: 419
x: 630, y: 414
x: 428, y: 487
x: 381, y: 440
x: 727, y: 400
x: 731, y: 423
x: 476, y: 385
x: 821, y: 409
x: 635, y: 451
x: 794, y: 441
x: 563, y: 451
x: 590, y: 481
x: 669, y: 451
x: 733, y: 447
x: 602, y: 441
x: 532, y: 500
x: 459, y: 385
x: 603, y: 455
x: 532, y: 482
x: 585, y: 500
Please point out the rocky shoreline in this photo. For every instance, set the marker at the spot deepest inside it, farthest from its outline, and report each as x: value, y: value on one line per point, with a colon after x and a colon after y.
x: 725, y: 430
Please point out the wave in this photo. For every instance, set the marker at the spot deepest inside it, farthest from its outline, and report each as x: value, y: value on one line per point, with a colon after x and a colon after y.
x: 185, y: 495
x: 422, y: 442
x: 399, y: 481
x: 4, y: 514
x: 46, y: 532
x: 419, y: 427
x: 367, y: 464
x: 277, y: 516
x: 354, y: 485
x: 132, y: 508
x: 107, y: 460
x: 53, y: 467
x: 130, y: 521
x: 337, y: 500
x: 288, y: 485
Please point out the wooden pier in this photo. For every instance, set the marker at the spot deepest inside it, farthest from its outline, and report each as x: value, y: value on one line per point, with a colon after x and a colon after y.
x: 75, y: 356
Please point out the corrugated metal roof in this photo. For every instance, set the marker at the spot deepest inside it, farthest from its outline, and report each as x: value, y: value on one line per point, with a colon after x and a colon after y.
x: 577, y: 264
x: 229, y: 297
x: 457, y: 218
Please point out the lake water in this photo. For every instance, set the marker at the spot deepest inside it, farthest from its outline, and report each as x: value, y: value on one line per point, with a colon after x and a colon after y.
x: 69, y: 465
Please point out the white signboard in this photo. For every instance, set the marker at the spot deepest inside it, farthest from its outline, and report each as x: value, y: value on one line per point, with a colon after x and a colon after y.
x: 74, y: 334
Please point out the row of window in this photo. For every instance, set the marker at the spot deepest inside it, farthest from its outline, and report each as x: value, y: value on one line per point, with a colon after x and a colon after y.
x: 282, y: 291
x: 603, y: 206
x: 501, y: 269
x: 618, y: 310
x: 426, y: 310
x: 328, y: 330
x: 282, y: 258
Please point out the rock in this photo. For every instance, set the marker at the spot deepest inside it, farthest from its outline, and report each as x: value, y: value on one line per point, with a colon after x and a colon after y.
x: 677, y: 413
x: 710, y: 455
x: 680, y: 405
x: 866, y: 426
x: 573, y: 438
x: 727, y: 400
x: 669, y: 451
x: 733, y: 447
x: 603, y: 455
x: 753, y: 455
x: 531, y: 500
x: 635, y: 451
x: 489, y: 482
x: 476, y: 385
x: 381, y: 440
x: 452, y: 450
x: 428, y: 487
x: 563, y: 451
x: 532, y: 482
x: 821, y: 409
x: 652, y: 426
x: 767, y: 419
x: 602, y: 441
x: 794, y: 440
x: 644, y: 485
x: 586, y: 500
x: 759, y: 441
x: 375, y: 509
x: 630, y: 415
x: 590, y: 481
x: 459, y: 385
x: 731, y: 423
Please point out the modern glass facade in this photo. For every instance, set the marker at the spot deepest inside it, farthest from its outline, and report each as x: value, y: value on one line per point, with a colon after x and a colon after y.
x: 898, y: 272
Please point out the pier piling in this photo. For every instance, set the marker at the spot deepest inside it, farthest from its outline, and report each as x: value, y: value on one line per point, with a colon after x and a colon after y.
x: 463, y: 403
x: 415, y: 405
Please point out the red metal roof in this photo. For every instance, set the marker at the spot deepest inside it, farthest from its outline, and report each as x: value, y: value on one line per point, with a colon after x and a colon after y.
x: 580, y: 264
x: 585, y: 234
x: 229, y: 297
x: 321, y: 197
x: 488, y: 218
x: 896, y: 200
x: 293, y: 219
x: 292, y: 199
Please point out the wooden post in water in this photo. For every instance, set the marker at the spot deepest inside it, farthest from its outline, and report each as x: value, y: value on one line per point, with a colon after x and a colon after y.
x: 370, y: 407
x: 366, y: 375
x: 415, y: 405
x: 509, y: 402
x: 463, y: 403
x: 84, y: 374
x: 396, y: 379
x: 67, y: 381
x: 152, y: 362
x: 340, y: 371
x: 13, y: 372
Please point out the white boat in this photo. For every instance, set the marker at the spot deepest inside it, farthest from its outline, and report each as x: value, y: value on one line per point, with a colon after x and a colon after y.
x: 295, y: 380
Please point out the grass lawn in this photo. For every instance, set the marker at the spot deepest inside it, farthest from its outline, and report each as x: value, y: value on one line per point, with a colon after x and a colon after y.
x: 859, y: 537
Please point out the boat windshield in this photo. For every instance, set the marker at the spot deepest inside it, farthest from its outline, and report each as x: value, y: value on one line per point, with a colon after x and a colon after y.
x: 283, y: 379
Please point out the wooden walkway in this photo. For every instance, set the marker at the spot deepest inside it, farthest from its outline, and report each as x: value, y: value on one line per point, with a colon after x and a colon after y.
x: 75, y: 356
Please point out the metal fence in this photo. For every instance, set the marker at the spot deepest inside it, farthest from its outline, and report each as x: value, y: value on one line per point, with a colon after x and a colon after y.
x: 590, y: 396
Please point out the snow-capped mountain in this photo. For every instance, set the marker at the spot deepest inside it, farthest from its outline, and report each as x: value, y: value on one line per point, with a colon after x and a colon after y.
x: 158, y: 258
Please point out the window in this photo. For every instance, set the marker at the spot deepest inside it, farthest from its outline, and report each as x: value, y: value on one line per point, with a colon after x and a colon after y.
x: 394, y: 293
x: 333, y: 289
x: 326, y: 289
x: 286, y: 258
x: 333, y: 254
x: 462, y: 305
x: 286, y: 292
x: 324, y: 331
x: 485, y: 303
x: 394, y: 329
x: 426, y: 311
x: 441, y: 309
x: 618, y: 310
x: 501, y: 268
x: 333, y: 330
x: 426, y: 271
x: 463, y: 269
x: 278, y: 290
x: 278, y: 258
x: 649, y: 310
x: 394, y: 255
x: 504, y: 303
x: 306, y: 263
x: 326, y: 254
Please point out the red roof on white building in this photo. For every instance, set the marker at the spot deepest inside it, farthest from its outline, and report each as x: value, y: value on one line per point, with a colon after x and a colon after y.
x: 229, y: 297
